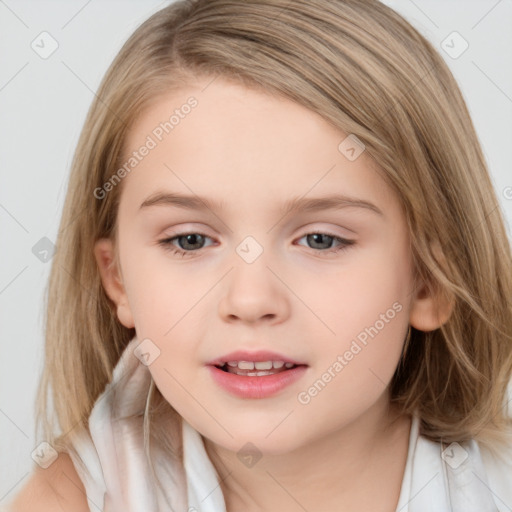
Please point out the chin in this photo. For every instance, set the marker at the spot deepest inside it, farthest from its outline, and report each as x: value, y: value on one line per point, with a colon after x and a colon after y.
x: 263, y: 437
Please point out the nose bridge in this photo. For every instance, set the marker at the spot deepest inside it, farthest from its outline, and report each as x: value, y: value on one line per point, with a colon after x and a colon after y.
x: 250, y: 250
x: 252, y: 291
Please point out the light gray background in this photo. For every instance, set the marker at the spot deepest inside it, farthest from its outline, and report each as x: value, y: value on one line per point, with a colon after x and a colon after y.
x: 44, y: 102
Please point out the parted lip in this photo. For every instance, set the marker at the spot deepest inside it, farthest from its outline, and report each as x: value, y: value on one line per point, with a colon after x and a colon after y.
x: 257, y: 356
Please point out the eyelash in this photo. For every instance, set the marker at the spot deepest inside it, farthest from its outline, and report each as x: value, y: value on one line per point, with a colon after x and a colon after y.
x: 166, y: 243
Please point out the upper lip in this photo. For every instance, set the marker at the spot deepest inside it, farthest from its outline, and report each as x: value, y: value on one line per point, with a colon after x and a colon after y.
x: 257, y: 356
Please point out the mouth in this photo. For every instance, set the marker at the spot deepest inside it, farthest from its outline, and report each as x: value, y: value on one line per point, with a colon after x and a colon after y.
x: 256, y: 368
x: 256, y: 379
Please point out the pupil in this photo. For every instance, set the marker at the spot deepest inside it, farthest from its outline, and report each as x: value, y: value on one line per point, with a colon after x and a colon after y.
x: 315, y: 236
x: 191, y: 240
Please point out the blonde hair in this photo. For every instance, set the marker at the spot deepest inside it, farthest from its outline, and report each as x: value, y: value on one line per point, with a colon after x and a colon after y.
x: 366, y: 70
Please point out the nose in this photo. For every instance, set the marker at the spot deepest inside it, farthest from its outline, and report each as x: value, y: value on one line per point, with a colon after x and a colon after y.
x: 252, y: 293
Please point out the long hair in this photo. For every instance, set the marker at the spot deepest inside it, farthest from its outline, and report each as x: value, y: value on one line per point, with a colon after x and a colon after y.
x: 368, y: 72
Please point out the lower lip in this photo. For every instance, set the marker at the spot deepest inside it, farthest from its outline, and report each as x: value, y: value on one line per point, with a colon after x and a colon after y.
x: 256, y: 387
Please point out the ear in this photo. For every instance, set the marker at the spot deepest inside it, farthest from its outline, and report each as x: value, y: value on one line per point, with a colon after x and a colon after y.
x: 432, y: 306
x: 111, y: 278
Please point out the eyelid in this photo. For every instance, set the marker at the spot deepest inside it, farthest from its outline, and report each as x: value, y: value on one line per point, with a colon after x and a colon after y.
x: 185, y: 229
x: 316, y: 227
x: 306, y: 230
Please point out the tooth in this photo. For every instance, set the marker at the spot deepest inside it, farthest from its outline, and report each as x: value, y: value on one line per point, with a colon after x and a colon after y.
x: 260, y: 365
x: 263, y: 365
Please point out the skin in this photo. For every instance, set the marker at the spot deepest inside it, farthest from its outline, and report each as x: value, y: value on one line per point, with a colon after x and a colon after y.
x: 254, y: 151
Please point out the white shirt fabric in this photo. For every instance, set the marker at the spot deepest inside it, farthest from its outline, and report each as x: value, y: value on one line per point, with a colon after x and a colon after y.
x: 114, y: 469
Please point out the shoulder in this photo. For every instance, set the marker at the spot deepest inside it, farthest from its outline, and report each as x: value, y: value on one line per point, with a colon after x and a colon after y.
x: 56, y: 488
x: 498, y: 469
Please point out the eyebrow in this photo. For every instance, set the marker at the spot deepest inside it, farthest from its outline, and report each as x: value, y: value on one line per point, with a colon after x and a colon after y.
x: 294, y: 205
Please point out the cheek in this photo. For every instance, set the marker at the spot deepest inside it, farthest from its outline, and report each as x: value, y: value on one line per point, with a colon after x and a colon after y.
x: 161, y: 293
x: 365, y: 312
x: 181, y: 377
x: 354, y: 297
x: 167, y: 305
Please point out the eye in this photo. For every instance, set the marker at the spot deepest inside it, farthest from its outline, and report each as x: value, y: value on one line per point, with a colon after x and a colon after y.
x: 189, y: 241
x: 321, y: 241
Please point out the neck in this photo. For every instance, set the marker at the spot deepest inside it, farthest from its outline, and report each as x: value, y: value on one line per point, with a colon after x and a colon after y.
x: 368, y: 454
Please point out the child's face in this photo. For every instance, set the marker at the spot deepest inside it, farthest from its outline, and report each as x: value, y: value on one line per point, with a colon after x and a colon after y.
x: 253, y: 153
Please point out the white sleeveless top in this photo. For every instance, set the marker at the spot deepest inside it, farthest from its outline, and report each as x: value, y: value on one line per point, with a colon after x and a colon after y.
x: 113, y: 468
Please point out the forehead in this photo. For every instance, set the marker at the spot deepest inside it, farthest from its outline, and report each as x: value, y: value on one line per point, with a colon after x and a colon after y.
x: 234, y: 144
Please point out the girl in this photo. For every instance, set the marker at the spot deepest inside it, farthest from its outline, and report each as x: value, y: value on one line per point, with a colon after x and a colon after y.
x: 205, y: 350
